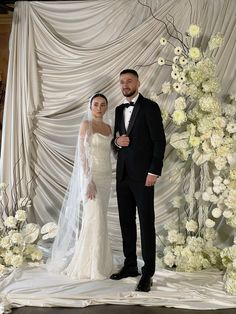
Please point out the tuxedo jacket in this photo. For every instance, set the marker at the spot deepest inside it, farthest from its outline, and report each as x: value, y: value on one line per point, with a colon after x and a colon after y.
x: 146, y: 149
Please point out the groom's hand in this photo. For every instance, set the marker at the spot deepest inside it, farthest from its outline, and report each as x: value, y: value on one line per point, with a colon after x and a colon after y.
x: 122, y: 141
x: 151, y: 179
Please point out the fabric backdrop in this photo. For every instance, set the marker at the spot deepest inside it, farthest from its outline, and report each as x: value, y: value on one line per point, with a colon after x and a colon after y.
x: 61, y: 52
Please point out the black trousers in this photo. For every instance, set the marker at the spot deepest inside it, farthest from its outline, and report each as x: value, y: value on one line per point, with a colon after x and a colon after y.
x: 131, y: 195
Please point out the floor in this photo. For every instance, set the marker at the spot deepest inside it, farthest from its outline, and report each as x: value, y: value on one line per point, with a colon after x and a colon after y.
x: 117, y: 309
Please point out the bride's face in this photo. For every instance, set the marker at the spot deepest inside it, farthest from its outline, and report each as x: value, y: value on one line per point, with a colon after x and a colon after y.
x: 98, y: 107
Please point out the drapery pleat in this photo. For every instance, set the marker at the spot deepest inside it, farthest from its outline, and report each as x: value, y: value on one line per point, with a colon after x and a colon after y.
x: 61, y: 52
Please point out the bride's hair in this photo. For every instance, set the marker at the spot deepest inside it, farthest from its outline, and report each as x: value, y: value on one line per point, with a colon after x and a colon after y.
x: 97, y: 95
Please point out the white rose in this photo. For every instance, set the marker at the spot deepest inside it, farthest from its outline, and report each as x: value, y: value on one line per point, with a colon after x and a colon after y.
x: 209, y: 223
x: 206, y: 196
x: 227, y: 213
x: 216, y: 212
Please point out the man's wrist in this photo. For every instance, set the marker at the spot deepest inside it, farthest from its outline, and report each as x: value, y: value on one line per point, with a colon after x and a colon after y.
x: 115, y: 141
x: 152, y: 174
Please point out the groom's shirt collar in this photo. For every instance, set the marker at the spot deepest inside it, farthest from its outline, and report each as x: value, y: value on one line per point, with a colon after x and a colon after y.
x: 132, y: 100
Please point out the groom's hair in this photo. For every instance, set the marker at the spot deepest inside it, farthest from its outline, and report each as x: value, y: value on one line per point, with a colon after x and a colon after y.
x: 125, y: 71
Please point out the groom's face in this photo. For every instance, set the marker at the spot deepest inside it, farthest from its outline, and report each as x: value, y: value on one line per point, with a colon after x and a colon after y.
x: 129, y: 84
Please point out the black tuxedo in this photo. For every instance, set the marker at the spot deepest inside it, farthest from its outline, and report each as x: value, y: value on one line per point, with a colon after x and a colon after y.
x: 144, y: 155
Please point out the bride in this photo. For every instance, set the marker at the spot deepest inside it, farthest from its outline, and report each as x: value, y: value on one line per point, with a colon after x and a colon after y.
x: 81, y: 248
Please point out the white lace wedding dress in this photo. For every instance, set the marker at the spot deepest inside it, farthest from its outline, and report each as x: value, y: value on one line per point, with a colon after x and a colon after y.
x: 92, y: 259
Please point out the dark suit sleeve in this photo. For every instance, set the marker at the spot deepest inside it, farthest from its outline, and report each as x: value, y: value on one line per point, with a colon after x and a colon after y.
x: 156, y: 129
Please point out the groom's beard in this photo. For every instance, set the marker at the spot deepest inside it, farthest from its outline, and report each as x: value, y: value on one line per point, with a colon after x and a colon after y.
x: 128, y: 92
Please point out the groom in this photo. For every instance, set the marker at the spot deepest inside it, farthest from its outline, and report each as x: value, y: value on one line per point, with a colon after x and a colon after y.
x: 139, y: 140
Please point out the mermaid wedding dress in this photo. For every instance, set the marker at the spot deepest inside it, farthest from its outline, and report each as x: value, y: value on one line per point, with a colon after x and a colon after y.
x: 92, y: 259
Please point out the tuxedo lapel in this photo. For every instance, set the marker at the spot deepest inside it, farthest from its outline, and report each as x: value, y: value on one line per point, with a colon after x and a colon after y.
x: 133, y: 116
x: 122, y: 121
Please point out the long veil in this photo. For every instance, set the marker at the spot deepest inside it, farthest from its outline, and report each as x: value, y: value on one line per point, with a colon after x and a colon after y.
x: 70, y: 219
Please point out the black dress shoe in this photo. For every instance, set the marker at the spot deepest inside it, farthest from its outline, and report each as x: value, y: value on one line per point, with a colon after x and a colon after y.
x: 124, y: 273
x: 144, y: 284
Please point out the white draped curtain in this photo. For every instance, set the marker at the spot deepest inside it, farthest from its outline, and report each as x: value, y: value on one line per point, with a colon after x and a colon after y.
x: 61, y: 52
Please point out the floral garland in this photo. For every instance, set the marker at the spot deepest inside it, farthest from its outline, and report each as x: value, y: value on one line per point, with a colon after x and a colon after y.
x: 205, y: 140
x: 18, y: 238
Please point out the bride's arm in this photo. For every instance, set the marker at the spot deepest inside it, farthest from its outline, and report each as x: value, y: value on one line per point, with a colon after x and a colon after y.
x: 86, y: 158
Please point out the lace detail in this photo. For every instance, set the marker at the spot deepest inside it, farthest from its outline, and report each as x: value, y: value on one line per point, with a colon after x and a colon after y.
x: 92, y: 259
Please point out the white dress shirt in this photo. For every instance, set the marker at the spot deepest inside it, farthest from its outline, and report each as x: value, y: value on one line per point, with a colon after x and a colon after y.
x: 128, y: 111
x: 127, y: 115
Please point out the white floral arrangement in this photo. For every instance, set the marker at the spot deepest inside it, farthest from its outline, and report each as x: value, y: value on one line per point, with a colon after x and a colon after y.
x: 228, y: 256
x: 186, y: 250
x: 18, y: 238
x: 205, y: 140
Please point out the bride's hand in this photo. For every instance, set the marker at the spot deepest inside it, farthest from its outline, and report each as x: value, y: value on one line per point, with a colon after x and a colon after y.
x: 91, y: 191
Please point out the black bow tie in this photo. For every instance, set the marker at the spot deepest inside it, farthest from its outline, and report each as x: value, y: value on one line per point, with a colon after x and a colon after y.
x: 128, y: 104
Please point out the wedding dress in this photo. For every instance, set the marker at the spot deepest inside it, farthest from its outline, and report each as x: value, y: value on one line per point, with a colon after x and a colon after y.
x: 92, y: 259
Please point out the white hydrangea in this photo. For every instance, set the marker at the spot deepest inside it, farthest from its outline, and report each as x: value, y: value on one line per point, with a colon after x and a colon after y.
x: 220, y: 162
x: 231, y: 127
x: 179, y: 117
x: 175, y: 237
x: 16, y: 238
x: 191, y: 225
x: 194, y: 53
x: 16, y: 260
x: 209, y: 104
x: 194, y: 30
x: 169, y: 259
x: 216, y: 41
x: 21, y: 215
x: 5, y: 242
x: 10, y: 222
x: 166, y: 88
x: 180, y: 103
